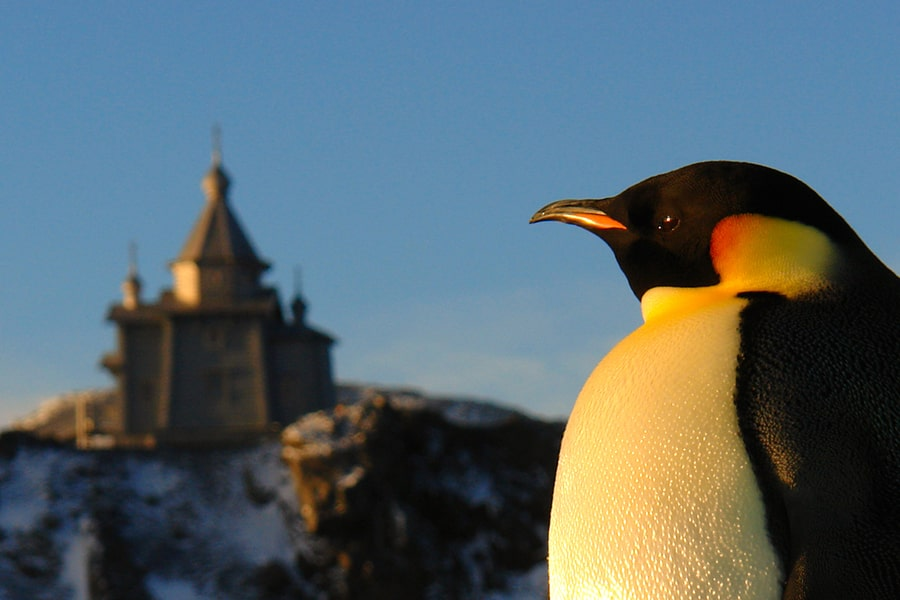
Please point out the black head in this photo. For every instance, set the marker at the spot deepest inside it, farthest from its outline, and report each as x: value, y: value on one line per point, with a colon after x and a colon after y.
x: 660, y: 229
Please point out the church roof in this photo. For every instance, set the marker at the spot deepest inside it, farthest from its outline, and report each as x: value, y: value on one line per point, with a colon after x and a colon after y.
x: 217, y: 235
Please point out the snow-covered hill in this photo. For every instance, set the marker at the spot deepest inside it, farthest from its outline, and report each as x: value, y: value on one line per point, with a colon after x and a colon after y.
x: 438, y: 496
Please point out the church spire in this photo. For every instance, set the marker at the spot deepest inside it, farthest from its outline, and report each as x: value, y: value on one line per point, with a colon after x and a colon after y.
x: 132, y: 260
x: 216, y: 145
x: 215, y: 183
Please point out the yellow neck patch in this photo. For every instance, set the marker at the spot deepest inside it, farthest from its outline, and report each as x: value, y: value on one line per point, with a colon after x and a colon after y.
x: 753, y: 253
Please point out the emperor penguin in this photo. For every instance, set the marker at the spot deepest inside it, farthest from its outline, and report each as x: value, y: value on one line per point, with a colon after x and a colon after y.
x: 744, y: 441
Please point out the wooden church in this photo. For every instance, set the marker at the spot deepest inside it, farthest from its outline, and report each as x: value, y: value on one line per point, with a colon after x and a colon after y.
x: 214, y: 358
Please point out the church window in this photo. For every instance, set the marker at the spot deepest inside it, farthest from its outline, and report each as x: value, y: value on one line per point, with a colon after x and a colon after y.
x: 214, y: 336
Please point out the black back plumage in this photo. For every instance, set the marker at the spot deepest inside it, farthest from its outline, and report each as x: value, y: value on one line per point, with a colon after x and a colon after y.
x: 818, y: 402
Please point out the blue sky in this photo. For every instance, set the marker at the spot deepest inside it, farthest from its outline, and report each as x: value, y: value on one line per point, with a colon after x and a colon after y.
x: 394, y: 151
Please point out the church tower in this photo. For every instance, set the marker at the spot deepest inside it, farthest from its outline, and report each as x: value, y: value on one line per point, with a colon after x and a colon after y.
x: 214, y: 359
x: 217, y: 262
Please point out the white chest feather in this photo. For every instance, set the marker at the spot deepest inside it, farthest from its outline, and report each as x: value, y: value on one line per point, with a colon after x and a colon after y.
x: 655, y: 496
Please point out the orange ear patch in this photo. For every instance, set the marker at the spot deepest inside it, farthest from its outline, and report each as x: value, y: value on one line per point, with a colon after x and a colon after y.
x: 755, y: 253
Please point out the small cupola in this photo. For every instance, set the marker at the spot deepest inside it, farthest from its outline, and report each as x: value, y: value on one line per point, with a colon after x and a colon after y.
x: 298, y: 310
x: 131, y: 287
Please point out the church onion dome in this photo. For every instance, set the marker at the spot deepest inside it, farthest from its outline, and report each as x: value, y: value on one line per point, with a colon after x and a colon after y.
x: 215, y: 183
x: 132, y: 280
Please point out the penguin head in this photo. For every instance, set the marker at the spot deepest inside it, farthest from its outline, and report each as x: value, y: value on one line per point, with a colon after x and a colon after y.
x: 743, y: 225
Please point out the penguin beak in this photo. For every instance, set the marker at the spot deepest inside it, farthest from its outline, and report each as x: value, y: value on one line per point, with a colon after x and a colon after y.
x: 584, y: 213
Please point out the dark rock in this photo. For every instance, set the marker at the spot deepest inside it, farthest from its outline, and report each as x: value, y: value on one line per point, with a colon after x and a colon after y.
x: 12, y: 440
x: 418, y: 498
x: 112, y: 573
x: 35, y: 556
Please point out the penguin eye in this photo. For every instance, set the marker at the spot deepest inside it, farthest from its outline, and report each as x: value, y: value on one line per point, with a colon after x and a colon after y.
x: 668, y: 223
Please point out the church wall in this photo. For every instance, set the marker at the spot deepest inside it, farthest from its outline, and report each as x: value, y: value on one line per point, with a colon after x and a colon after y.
x: 217, y: 283
x: 218, y: 379
x: 186, y: 276
x: 301, y: 378
x: 246, y: 283
x: 224, y: 282
x: 143, y: 351
x: 228, y: 283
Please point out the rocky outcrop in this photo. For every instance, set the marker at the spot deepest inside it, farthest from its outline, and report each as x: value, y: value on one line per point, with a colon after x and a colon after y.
x: 416, y: 499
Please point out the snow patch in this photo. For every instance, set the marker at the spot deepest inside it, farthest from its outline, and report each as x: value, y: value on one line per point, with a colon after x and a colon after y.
x: 172, y: 589
x: 476, y: 414
x: 26, y: 490
x: 74, y: 571
x: 152, y: 479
